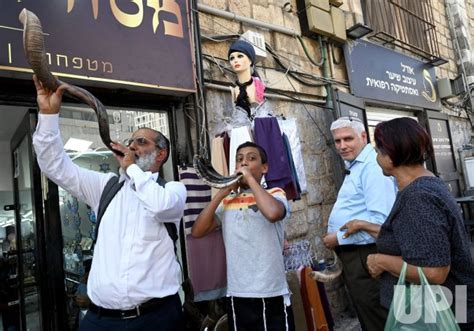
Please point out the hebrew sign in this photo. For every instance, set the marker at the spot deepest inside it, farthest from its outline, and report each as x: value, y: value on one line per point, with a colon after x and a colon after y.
x: 379, y: 73
x: 134, y: 44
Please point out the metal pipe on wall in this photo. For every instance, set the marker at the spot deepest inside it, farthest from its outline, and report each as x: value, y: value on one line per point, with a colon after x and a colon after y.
x: 234, y: 17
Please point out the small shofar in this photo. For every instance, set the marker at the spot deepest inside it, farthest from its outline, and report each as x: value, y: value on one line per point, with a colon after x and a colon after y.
x: 210, y: 176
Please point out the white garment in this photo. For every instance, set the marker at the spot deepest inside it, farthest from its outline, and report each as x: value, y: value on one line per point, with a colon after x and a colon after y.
x: 238, y: 136
x: 134, y: 258
x: 289, y: 128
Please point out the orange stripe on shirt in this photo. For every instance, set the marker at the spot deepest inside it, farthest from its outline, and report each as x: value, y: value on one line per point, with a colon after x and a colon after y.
x: 248, y: 199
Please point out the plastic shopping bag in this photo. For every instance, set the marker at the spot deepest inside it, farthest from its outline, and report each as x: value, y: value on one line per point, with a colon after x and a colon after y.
x: 419, y: 307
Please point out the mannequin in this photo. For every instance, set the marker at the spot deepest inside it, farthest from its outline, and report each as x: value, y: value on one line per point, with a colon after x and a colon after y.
x: 249, y: 89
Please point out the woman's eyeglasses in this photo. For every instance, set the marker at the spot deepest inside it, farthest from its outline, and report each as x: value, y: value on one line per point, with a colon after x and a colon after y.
x: 141, y: 141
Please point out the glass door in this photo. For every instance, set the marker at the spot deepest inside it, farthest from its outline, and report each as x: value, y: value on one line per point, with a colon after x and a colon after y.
x: 27, y: 209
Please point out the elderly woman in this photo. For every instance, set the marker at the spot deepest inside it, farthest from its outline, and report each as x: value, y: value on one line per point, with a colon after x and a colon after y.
x: 425, y: 227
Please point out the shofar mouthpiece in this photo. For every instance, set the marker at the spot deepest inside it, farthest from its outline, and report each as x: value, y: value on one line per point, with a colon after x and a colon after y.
x: 33, y: 44
x: 210, y: 176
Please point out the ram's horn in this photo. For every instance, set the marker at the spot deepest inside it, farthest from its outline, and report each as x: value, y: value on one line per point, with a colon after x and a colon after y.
x: 33, y: 43
x: 330, y: 273
x: 210, y: 176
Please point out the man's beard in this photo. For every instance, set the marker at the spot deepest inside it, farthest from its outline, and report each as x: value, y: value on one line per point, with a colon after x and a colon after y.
x: 146, y: 161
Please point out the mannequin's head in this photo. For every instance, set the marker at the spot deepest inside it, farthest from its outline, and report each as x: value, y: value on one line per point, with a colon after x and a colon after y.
x: 242, y: 57
x: 243, y: 47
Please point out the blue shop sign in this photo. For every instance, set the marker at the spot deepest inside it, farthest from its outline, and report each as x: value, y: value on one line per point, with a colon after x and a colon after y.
x: 138, y: 45
x: 378, y: 73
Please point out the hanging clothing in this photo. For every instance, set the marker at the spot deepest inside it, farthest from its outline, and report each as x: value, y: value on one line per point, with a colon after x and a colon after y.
x: 218, y: 159
x: 206, y: 256
x: 294, y: 175
x: 268, y: 135
x: 289, y: 127
x: 238, y: 136
x: 198, y: 196
x: 207, y: 266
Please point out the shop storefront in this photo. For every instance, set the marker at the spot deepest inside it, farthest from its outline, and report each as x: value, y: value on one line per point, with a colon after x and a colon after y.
x: 137, y: 59
x: 386, y: 84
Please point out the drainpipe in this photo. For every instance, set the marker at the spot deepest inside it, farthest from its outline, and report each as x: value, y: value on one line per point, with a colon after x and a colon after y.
x: 327, y: 73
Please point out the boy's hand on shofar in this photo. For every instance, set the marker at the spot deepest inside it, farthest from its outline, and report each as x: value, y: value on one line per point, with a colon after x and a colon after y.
x: 245, y: 173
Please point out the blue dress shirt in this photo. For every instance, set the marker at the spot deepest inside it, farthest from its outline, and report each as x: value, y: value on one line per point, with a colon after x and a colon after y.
x: 366, y: 194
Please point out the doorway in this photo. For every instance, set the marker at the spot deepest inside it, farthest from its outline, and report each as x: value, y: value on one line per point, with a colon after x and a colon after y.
x: 45, y: 253
x: 20, y: 259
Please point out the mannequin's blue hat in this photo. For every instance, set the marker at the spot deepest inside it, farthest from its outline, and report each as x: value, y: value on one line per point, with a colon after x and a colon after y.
x: 243, y: 47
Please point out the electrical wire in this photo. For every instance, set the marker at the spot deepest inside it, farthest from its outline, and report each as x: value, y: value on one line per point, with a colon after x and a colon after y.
x: 321, y: 60
x: 300, y: 76
x: 290, y: 61
x: 329, y: 142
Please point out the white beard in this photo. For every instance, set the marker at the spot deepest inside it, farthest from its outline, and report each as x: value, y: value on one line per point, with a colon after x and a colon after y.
x: 146, y: 161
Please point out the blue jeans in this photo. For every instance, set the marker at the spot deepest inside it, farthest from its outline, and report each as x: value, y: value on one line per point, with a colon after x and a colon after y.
x: 167, y: 317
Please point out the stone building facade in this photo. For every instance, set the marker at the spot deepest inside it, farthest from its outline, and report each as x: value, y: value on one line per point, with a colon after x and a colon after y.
x: 313, y: 115
x: 302, y: 84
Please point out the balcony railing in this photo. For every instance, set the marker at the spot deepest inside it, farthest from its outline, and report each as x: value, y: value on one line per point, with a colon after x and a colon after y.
x: 407, y: 24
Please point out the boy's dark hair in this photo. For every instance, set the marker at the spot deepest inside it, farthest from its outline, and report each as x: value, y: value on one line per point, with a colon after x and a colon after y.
x: 261, y: 151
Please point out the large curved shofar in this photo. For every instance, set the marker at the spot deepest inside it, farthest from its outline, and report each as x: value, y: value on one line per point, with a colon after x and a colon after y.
x: 33, y: 44
x: 210, y: 176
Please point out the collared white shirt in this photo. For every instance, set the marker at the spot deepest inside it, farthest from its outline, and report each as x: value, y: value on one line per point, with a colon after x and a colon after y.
x: 134, y: 257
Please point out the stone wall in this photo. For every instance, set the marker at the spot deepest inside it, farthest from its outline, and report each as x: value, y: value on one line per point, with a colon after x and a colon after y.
x: 322, y: 164
x: 463, y: 25
x: 309, y: 215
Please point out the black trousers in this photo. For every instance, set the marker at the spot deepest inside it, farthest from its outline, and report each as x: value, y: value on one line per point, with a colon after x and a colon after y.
x: 167, y: 317
x: 363, y: 289
x: 250, y: 315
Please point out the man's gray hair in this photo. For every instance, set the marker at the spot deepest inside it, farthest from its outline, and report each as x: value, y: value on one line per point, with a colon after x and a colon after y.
x: 161, y: 142
x: 348, y: 122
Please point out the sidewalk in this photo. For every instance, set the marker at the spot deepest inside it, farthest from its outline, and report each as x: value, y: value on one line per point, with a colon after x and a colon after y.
x: 346, y: 322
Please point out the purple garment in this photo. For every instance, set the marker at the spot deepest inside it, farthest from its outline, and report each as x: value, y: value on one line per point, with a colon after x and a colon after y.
x: 268, y: 135
x: 206, y: 262
x: 205, y: 256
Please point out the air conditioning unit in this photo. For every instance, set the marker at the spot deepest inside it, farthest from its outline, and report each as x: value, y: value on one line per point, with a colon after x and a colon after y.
x: 258, y: 42
x: 449, y: 88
